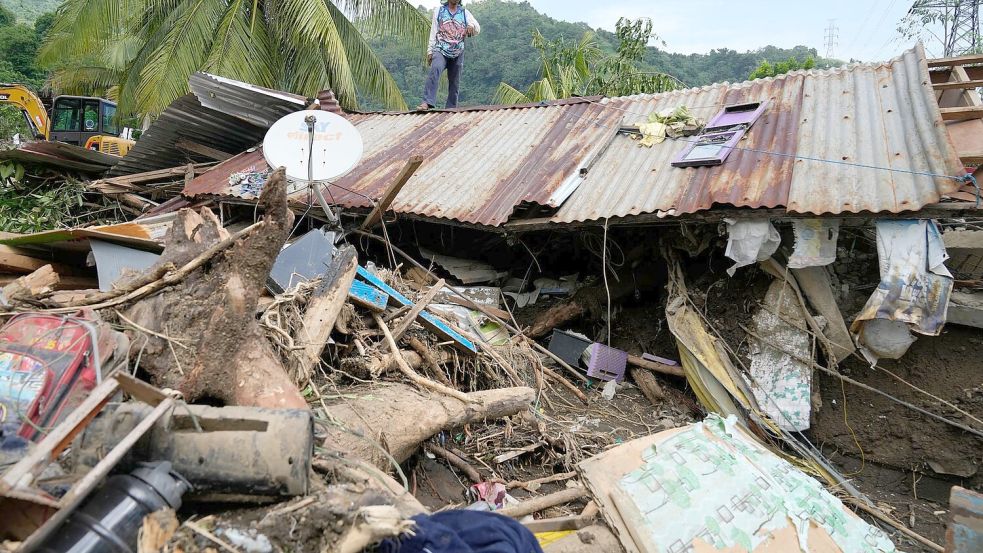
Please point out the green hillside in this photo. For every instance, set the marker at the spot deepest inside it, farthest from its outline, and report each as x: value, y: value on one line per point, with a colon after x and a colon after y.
x: 29, y: 10
x: 503, y: 52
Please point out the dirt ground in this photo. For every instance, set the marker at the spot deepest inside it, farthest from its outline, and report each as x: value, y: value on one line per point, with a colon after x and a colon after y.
x: 899, y: 456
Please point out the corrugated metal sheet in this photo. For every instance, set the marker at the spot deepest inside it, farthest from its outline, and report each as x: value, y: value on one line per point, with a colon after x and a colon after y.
x: 882, y: 115
x: 223, y: 114
x: 253, y: 104
x: 480, y: 164
x: 60, y: 156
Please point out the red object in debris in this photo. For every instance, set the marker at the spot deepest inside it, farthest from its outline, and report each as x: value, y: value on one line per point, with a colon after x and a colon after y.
x: 47, y: 368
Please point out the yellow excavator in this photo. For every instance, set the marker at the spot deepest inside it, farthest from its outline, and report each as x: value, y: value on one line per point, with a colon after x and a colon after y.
x: 78, y: 120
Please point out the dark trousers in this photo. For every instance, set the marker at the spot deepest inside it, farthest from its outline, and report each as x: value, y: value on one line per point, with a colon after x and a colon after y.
x: 453, y: 67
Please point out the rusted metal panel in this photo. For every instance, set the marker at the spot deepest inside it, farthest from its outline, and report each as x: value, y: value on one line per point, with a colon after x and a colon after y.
x: 479, y: 165
x: 796, y: 155
x: 965, y: 531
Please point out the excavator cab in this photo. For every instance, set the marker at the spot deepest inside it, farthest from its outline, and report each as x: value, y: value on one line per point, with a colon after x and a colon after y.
x: 81, y: 121
x: 76, y: 119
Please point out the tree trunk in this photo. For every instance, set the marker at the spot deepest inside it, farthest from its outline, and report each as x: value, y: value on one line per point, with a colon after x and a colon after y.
x: 400, y: 417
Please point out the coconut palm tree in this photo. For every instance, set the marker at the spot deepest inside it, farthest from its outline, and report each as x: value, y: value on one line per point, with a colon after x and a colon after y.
x: 143, y: 51
x: 583, y: 69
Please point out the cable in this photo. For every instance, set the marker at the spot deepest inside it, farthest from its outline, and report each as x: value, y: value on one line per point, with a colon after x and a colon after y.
x: 604, y: 271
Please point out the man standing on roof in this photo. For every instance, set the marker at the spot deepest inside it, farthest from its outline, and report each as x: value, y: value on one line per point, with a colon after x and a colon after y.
x: 451, y: 24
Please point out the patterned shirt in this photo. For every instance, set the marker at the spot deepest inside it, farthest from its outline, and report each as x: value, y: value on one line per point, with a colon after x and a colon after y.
x: 448, y: 30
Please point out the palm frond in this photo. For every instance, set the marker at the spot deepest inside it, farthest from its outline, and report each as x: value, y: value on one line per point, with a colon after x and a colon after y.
x: 368, y: 72
x: 507, y: 94
x: 387, y: 18
x: 164, y: 77
x: 243, y: 48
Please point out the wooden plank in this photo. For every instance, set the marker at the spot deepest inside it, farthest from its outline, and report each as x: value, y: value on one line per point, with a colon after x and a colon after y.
x: 955, y: 60
x: 323, y: 308
x: 64, y: 283
x: 203, y: 150
x: 391, y: 192
x: 411, y: 317
x: 51, y: 446
x: 557, y: 524
x: 962, y: 113
x: 368, y: 296
x: 19, y: 260
x: 957, y: 85
x: 430, y: 322
x: 140, y: 390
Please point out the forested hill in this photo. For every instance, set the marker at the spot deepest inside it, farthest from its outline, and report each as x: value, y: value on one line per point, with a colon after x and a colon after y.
x: 27, y: 11
x: 503, y: 52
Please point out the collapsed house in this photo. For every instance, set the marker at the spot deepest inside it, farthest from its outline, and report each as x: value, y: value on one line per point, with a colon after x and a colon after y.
x: 529, y: 310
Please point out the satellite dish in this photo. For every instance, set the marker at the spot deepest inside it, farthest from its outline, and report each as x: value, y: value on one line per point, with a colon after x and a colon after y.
x: 337, y: 146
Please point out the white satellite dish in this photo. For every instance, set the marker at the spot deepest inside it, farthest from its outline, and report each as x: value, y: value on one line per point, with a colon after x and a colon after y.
x: 337, y: 146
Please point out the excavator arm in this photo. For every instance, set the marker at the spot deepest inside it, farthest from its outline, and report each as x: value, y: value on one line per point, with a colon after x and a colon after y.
x: 30, y: 105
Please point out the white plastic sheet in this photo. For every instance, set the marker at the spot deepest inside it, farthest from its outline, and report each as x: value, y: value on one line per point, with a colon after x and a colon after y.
x: 750, y: 241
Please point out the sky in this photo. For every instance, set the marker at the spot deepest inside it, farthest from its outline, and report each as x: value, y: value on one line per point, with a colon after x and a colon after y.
x: 866, y: 28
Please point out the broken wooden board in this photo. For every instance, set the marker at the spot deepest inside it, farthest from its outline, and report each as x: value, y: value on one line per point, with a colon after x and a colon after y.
x: 428, y: 320
x: 710, y: 486
x: 965, y: 309
x: 368, y: 296
x: 818, y: 290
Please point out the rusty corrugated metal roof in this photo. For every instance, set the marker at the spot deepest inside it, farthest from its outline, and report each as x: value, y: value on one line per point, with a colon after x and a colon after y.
x: 882, y: 115
x: 482, y: 163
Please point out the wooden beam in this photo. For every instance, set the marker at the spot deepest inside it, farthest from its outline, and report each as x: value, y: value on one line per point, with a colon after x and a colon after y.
x: 956, y: 85
x: 15, y: 260
x: 202, y: 150
x: 418, y: 308
x: 956, y: 60
x: 390, y: 194
x: 948, y: 210
x: 962, y: 113
x: 323, y: 308
x: 64, y: 282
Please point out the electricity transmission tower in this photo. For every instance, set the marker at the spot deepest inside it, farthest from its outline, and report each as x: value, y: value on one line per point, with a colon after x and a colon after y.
x: 832, y: 38
x: 960, y: 20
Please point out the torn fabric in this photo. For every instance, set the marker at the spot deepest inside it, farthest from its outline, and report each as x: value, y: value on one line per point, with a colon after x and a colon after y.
x: 750, y: 241
x: 915, y: 284
x: 815, y: 242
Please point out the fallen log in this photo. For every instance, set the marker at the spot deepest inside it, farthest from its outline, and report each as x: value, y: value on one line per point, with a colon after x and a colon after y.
x: 210, y: 303
x: 537, y: 504
x: 400, y: 417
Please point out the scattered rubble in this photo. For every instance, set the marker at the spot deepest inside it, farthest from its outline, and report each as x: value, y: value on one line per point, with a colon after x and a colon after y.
x: 525, y: 378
